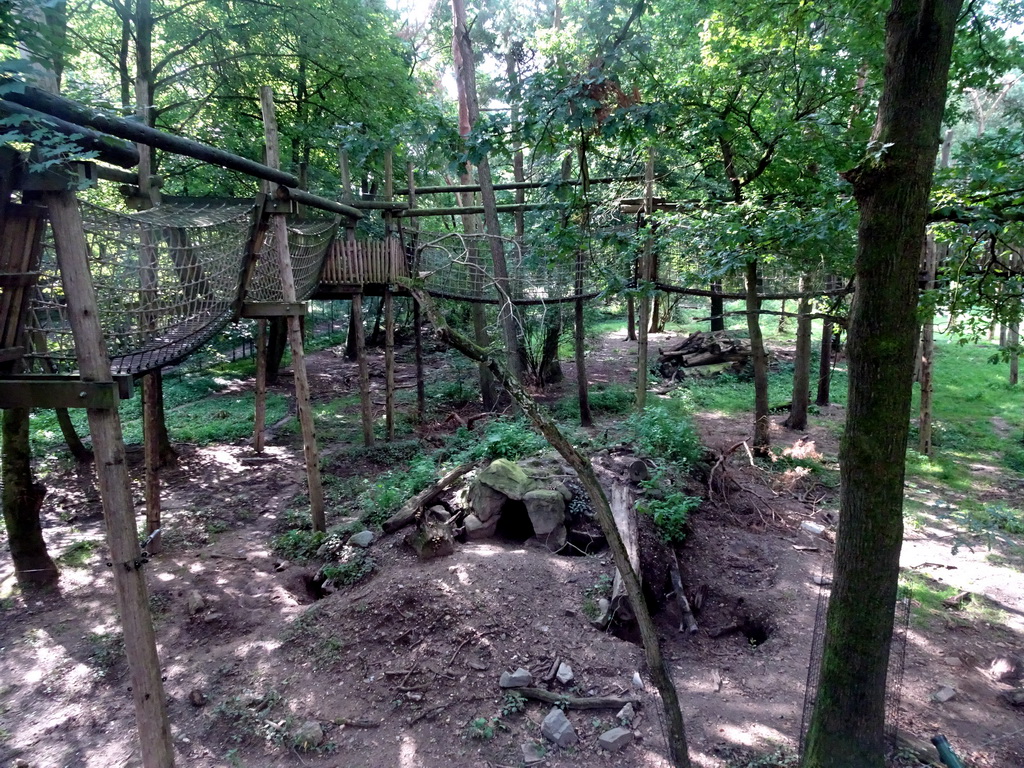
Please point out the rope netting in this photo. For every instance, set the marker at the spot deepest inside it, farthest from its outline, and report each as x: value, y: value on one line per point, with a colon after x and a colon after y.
x: 458, y: 266
x: 166, y: 282
x: 309, y: 243
x: 679, y: 267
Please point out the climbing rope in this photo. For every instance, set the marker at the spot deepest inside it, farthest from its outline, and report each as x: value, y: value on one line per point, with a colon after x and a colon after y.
x: 308, y: 243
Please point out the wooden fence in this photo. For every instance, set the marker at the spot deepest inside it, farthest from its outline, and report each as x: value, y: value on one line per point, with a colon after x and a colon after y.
x: 364, y: 262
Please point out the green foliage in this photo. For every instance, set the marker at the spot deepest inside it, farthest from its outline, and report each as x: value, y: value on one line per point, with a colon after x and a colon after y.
x: 664, y: 431
x: 391, y: 489
x: 352, y: 567
x: 514, y: 703
x: 77, y: 555
x: 996, y: 517
x: 482, y: 728
x: 609, y: 399
x: 300, y: 546
x: 601, y: 589
x: 503, y: 438
x: 669, y: 506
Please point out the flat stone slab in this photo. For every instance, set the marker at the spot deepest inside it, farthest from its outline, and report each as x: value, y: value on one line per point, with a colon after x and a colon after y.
x: 616, y: 739
x: 518, y: 679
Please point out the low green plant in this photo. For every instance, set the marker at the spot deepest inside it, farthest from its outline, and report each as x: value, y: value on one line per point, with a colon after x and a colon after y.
x: 601, y: 589
x: 482, y: 728
x: 671, y: 513
x: 77, y: 555
x: 668, y: 434
x: 391, y: 489
x: 502, y: 438
x: 353, y: 566
x: 106, y: 651
x: 610, y: 399
x: 249, y: 714
x: 996, y: 517
x: 513, y: 704
x: 298, y: 545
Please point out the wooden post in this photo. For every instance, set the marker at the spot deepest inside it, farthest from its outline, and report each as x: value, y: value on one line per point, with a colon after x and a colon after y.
x: 389, y: 303
x: 417, y: 316
x: 280, y: 226
x: 645, y: 300
x: 115, y: 487
x: 259, y: 434
x: 366, y: 407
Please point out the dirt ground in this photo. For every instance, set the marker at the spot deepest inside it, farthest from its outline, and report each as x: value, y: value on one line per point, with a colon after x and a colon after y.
x: 402, y: 669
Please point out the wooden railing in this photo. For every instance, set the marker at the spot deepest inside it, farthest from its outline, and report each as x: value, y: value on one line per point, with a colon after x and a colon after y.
x: 364, y: 262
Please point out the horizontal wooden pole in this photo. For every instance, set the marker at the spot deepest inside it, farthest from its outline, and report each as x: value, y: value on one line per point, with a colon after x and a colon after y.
x: 24, y: 392
x: 66, y: 109
x: 261, y: 310
x: 414, y: 213
x: 504, y: 187
x: 315, y: 201
x: 763, y: 296
x: 377, y: 205
x: 108, y: 150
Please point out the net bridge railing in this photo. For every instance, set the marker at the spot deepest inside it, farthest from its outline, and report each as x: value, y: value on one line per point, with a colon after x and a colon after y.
x: 458, y: 266
x: 166, y: 281
x: 309, y: 243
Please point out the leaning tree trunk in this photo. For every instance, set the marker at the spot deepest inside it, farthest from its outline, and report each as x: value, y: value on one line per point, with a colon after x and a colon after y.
x: 22, y: 500
x: 797, y: 418
x: 762, y: 424
x: 892, y: 191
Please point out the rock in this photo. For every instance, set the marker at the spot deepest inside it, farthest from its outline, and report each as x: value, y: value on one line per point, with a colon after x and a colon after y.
x: 553, y: 541
x: 432, y: 540
x: 952, y: 661
x: 197, y: 697
x: 638, y: 682
x: 362, y: 539
x: 626, y: 714
x: 1006, y: 669
x: 518, y: 679
x: 475, y: 529
x: 944, y: 694
x: 822, y: 581
x: 546, y: 509
x: 505, y: 477
x: 309, y: 735
x: 533, y: 753
x: 815, y: 529
x: 486, y: 502
x: 564, y: 673
x: 281, y: 565
x: 562, y: 489
x: 22, y: 763
x: 1015, y: 698
x: 195, y: 603
x: 616, y: 739
x: 557, y: 728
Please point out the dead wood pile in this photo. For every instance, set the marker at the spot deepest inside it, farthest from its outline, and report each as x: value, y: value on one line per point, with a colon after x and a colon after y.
x: 700, y: 349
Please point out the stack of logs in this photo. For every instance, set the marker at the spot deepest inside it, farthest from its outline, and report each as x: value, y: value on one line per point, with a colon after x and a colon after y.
x: 699, y: 349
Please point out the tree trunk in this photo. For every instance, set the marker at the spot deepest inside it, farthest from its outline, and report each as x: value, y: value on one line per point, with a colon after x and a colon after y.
x: 717, y: 308
x: 277, y: 340
x: 22, y: 500
x: 801, y: 366
x: 579, y: 329
x: 825, y: 366
x: 925, y: 362
x: 759, y: 357
x: 550, y: 369
x: 892, y: 192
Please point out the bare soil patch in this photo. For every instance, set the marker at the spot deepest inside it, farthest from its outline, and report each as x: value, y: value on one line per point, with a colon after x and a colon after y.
x: 402, y: 669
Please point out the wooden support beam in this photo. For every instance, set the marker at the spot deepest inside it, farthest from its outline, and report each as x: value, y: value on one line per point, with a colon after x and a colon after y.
x: 467, y: 210
x: 512, y: 185
x: 284, y: 260
x: 53, y: 392
x: 132, y: 131
x: 125, y: 555
x: 259, y: 436
x: 256, y: 310
x: 366, y: 405
x: 322, y: 203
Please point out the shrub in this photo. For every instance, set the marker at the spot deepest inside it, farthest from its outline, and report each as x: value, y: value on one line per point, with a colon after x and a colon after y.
x: 298, y: 545
x: 666, y: 435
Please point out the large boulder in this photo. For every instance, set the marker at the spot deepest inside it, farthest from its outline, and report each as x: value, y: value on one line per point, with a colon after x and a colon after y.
x: 505, y: 477
x: 546, y: 509
x: 486, y: 502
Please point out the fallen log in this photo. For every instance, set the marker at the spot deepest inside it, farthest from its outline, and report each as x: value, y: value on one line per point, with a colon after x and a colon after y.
x: 575, y: 702
x: 425, y: 498
x: 688, y: 623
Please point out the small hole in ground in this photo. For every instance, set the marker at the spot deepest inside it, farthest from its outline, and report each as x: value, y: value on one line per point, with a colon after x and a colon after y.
x: 757, y: 632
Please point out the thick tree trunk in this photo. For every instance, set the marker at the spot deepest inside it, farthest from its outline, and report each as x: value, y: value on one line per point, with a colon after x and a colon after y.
x: 579, y: 328
x: 22, y: 500
x: 759, y: 357
x: 925, y: 361
x: 892, y: 191
x: 801, y: 366
x: 550, y: 369
x: 277, y: 340
x: 825, y: 366
x: 717, y: 308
